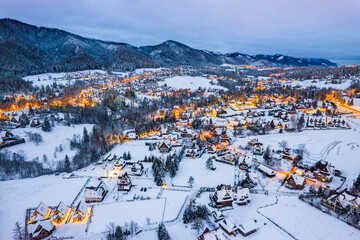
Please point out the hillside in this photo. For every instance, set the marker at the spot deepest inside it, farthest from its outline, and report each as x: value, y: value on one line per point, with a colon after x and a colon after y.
x: 26, y: 49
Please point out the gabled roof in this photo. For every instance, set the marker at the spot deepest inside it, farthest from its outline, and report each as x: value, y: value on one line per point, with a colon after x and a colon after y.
x: 42, y: 209
x: 248, y: 226
x: 62, y: 208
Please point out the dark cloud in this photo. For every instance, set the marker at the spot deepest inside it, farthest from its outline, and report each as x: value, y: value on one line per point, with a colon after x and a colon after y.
x: 308, y: 28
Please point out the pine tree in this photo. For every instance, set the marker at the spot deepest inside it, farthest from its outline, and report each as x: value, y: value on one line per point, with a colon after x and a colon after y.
x: 191, y: 180
x: 18, y: 232
x: 162, y: 232
x: 86, y: 137
x: 67, y: 165
x: 197, y: 225
x: 209, y: 163
x: 267, y: 154
x: 46, y: 126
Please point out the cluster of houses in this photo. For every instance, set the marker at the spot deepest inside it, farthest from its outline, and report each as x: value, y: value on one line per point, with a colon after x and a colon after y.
x: 321, y: 120
x: 227, y: 228
x: 227, y: 195
x: 341, y: 201
x: 42, y: 221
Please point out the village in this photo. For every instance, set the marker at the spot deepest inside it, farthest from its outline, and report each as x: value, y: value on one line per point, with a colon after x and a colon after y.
x: 191, y: 149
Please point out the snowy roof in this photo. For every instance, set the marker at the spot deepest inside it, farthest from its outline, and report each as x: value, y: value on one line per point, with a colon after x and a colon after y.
x: 248, y: 226
x: 228, y: 225
x: 299, y: 180
x: 265, y: 169
x: 96, y: 183
x: 223, y: 195
x: 42, y: 209
x: 62, y: 208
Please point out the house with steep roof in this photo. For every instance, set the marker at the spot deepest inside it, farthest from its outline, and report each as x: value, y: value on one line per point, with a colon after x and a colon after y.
x: 95, y: 191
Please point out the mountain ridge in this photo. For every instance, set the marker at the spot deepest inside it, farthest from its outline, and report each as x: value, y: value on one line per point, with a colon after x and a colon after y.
x: 29, y: 49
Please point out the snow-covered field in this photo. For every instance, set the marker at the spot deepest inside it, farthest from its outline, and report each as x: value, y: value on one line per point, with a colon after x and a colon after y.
x: 343, y: 151
x: 203, y: 177
x: 182, y: 82
x: 60, y: 135
x: 49, y: 78
x: 18, y: 195
x: 306, y: 222
x: 321, y: 84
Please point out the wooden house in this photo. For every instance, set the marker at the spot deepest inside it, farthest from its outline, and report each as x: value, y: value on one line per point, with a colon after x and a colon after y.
x: 212, y: 149
x: 247, y: 228
x: 266, y: 170
x: 245, y: 163
x: 295, y: 181
x: 324, y: 171
x: 287, y: 154
x: 247, y: 179
x: 218, y: 215
x: 35, y: 122
x: 214, y: 234
x: 136, y: 169
x: 241, y: 195
x: 59, y: 213
x: 165, y: 146
x: 229, y: 227
x: 341, y: 202
x: 42, y: 210
x: 40, y: 229
x: 222, y: 198
x: 124, y: 182
x: 95, y: 191
x: 79, y: 213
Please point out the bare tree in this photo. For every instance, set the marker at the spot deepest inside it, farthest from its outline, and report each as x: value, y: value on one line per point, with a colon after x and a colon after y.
x: 283, y: 144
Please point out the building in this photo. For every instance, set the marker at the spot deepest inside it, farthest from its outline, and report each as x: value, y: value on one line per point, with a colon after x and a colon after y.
x: 40, y: 229
x: 295, y: 181
x: 218, y: 216
x: 42, y: 210
x: 247, y: 228
x: 245, y: 163
x: 136, y: 169
x: 324, y: 171
x: 241, y: 195
x: 222, y: 198
x: 215, y: 234
x: 165, y: 146
x: 229, y: 227
x: 341, y: 202
x: 79, y: 213
x: 266, y: 170
x: 124, y: 182
x: 59, y: 213
x: 95, y: 191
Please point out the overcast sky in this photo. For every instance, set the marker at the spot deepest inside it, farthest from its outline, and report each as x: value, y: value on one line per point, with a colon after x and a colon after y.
x: 302, y: 28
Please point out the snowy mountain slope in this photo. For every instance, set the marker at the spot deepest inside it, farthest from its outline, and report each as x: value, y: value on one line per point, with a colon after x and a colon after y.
x: 27, y: 49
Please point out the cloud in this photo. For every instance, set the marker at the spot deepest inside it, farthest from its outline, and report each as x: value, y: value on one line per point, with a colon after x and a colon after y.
x: 308, y: 28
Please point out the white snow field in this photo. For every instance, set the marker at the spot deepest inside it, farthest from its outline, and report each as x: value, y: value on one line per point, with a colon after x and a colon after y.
x: 306, y: 222
x: 183, y: 82
x: 18, y: 195
x: 321, y: 84
x: 49, y: 78
x: 60, y: 135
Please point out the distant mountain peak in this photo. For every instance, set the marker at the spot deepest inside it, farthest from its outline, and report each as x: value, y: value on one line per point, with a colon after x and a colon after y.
x: 28, y: 49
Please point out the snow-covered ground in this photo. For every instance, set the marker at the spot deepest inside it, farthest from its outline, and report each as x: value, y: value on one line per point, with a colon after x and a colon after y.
x: 18, y: 195
x: 321, y: 84
x: 60, y: 135
x: 343, y: 146
x: 143, y: 70
x: 49, y: 78
x: 306, y: 222
x: 183, y: 82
